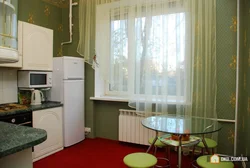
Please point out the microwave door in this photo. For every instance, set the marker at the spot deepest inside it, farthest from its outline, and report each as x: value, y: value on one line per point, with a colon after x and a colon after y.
x: 38, y: 80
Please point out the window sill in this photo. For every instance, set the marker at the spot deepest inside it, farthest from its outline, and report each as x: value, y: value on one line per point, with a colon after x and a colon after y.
x: 122, y: 99
x: 109, y: 98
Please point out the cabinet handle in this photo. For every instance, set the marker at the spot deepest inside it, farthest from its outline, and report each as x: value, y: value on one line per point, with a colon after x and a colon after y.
x: 13, y: 120
x: 25, y: 123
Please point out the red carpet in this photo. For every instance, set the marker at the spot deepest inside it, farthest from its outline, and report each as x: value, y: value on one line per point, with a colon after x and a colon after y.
x: 96, y: 153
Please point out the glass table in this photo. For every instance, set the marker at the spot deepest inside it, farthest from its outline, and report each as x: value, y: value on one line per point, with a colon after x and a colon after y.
x: 181, y: 126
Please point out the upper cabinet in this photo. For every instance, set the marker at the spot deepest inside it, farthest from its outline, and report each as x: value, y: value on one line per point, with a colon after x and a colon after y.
x: 18, y: 64
x: 37, y: 47
x: 8, y: 31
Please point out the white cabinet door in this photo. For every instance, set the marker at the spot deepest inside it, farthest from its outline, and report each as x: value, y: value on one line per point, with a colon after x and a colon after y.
x: 51, y: 121
x: 37, y: 47
x: 14, y: 65
x: 18, y: 64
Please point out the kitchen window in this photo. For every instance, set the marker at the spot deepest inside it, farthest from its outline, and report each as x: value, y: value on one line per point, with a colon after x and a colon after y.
x: 146, y: 55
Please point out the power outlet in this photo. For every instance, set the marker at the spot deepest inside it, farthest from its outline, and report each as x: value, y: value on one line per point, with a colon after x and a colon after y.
x: 87, y: 129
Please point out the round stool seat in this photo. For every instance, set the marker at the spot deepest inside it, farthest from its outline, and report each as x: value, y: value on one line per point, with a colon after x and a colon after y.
x: 140, y: 160
x: 158, y: 143
x: 210, y: 143
x: 204, y: 162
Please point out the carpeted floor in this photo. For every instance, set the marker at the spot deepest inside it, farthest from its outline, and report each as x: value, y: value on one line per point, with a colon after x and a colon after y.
x: 97, y: 153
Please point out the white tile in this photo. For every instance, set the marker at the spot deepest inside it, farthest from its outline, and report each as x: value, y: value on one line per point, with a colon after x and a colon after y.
x: 1, y: 79
x: 8, y: 86
x: 1, y: 86
x: 9, y: 96
x: 10, y: 79
x: 1, y: 97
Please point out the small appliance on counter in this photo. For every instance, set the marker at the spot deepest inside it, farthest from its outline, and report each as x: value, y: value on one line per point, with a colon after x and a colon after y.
x: 36, y: 97
x: 34, y: 79
x: 28, y: 84
x: 31, y: 96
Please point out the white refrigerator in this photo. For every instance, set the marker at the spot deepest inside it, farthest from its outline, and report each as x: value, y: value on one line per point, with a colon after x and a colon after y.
x: 68, y: 88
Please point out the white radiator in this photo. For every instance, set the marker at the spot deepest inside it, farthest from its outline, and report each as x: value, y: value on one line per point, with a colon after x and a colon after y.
x: 130, y: 127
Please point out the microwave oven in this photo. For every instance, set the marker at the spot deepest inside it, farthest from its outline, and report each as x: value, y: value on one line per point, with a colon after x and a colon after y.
x: 34, y: 79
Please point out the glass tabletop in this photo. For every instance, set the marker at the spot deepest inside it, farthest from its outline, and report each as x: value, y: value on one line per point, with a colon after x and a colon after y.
x: 181, y: 124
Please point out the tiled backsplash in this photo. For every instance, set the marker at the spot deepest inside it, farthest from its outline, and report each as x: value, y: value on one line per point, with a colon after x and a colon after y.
x: 8, y: 85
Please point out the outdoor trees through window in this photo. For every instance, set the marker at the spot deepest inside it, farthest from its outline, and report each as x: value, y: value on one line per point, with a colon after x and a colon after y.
x: 158, y: 42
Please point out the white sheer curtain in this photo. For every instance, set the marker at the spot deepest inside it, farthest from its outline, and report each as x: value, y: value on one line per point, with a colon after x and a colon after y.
x: 202, y: 14
x: 153, y: 51
x: 87, y: 20
x: 160, y: 64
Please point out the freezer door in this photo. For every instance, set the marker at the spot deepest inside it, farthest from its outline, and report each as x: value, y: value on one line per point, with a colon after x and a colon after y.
x: 73, y: 68
x: 73, y: 112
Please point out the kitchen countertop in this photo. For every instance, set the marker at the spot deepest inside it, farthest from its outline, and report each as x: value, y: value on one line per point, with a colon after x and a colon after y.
x: 14, y: 138
x: 45, y: 105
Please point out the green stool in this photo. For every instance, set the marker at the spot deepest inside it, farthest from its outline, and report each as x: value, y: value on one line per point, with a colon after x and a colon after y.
x: 204, y: 162
x: 211, y: 144
x: 140, y: 160
x: 158, y: 144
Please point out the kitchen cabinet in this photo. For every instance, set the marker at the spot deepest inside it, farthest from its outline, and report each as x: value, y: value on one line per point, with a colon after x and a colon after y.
x: 8, y: 31
x: 18, y: 64
x: 36, y: 47
x: 51, y: 121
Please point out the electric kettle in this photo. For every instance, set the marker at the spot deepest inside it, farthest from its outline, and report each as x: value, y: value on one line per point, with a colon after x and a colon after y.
x: 36, y: 97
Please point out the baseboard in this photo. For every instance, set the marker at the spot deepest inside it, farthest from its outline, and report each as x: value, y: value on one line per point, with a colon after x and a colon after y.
x: 47, y: 154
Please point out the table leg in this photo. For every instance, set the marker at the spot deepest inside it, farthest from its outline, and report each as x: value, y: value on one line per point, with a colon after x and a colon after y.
x: 179, y: 152
x: 153, y: 143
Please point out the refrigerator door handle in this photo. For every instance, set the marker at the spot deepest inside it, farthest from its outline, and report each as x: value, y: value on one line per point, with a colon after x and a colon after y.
x: 74, y: 79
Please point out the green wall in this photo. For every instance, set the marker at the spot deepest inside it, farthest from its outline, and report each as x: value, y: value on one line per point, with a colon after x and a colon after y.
x: 241, y: 111
x: 244, y: 82
x: 102, y: 116
x: 226, y: 49
x: 43, y: 14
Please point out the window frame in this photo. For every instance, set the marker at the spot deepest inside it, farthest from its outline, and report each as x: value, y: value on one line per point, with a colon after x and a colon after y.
x: 102, y: 88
